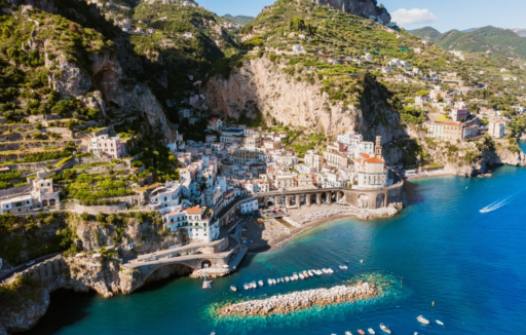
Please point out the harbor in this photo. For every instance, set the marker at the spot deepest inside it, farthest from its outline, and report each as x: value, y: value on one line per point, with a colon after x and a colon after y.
x: 417, y: 248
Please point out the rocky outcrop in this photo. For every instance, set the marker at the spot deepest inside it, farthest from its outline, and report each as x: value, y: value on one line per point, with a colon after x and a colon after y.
x: 261, y: 87
x: 301, y: 300
x: 364, y: 8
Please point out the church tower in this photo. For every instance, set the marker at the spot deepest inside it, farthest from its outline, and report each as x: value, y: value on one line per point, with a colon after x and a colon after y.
x: 378, y: 151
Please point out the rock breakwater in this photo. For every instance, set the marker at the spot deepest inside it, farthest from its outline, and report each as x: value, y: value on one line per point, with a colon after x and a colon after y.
x: 301, y: 300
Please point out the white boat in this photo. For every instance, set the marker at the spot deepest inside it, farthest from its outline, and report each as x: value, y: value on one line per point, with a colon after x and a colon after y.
x: 439, y: 322
x: 361, y: 261
x: 371, y: 331
x: 385, y: 329
x: 344, y: 267
x: 207, y: 284
x: 233, y: 288
x: 422, y: 320
x: 348, y: 333
x: 260, y: 283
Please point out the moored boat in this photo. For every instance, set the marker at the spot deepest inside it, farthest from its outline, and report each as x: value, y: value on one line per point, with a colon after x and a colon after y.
x: 207, y: 284
x: 361, y: 331
x: 385, y: 329
x: 439, y: 322
x: 233, y: 288
x: 371, y: 331
x: 422, y: 320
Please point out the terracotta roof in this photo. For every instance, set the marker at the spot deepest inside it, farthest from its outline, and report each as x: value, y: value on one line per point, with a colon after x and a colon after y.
x: 194, y: 210
x: 375, y: 160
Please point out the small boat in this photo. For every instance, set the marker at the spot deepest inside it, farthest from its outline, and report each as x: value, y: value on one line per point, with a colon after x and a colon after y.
x: 362, y: 261
x: 348, y: 333
x: 361, y: 331
x: 260, y: 283
x: 422, y: 320
x: 385, y: 329
x: 344, y: 267
x: 371, y: 331
x: 233, y: 288
x: 207, y: 284
x: 415, y: 333
x: 439, y: 322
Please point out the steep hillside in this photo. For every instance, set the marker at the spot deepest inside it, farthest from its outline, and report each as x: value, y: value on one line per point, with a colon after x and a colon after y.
x: 238, y: 19
x: 427, y: 33
x: 501, y: 43
x: 323, y: 70
x: 110, y: 62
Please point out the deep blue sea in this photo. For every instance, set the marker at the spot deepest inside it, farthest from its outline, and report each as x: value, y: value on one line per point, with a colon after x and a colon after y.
x: 441, y: 249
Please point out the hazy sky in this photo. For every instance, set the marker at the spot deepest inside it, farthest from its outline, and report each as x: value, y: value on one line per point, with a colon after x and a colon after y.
x: 441, y: 14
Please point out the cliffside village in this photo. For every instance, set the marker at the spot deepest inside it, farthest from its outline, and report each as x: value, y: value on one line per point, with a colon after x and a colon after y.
x: 233, y: 162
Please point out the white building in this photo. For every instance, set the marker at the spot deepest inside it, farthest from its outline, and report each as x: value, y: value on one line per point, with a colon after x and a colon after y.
x: 248, y: 207
x: 41, y: 196
x: 113, y: 147
x: 195, y: 222
x: 371, y: 173
x: 497, y: 128
x: 232, y: 135
x: 313, y: 160
x: 166, y: 196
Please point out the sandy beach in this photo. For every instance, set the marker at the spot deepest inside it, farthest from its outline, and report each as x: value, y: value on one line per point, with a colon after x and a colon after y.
x: 273, y: 234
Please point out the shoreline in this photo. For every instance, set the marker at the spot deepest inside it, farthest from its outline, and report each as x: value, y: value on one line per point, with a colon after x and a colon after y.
x: 306, y: 223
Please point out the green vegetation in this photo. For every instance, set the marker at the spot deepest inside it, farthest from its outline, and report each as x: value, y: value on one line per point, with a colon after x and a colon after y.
x: 299, y: 140
x: 238, y: 19
x: 25, y: 238
x: 11, y: 178
x: 92, y: 188
x: 182, y: 38
x: 155, y: 161
x: 24, y: 85
x: 500, y: 42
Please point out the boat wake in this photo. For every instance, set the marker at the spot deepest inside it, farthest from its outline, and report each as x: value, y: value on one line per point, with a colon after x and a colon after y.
x: 495, y: 206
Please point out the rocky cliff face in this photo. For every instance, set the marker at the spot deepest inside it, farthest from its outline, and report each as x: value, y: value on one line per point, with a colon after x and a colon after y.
x: 364, y: 8
x: 261, y: 87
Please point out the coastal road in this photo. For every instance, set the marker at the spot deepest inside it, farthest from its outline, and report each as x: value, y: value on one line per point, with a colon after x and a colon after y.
x: 22, y: 267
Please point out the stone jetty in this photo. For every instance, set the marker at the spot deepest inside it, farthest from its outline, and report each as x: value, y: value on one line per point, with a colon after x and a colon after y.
x: 300, y: 300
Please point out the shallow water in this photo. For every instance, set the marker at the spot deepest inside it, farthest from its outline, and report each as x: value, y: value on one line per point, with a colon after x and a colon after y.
x: 440, y: 249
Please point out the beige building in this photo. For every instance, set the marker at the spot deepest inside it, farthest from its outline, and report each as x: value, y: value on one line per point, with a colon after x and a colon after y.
x: 104, y: 145
x: 446, y: 130
x: 335, y: 158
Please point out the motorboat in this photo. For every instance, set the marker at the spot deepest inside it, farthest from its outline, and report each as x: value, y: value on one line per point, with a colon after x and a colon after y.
x: 422, y: 320
x: 371, y: 331
x: 385, y: 329
x: 439, y: 322
x: 361, y: 331
x: 233, y: 288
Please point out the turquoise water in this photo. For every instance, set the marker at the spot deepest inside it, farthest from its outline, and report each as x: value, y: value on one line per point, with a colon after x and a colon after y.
x: 440, y: 249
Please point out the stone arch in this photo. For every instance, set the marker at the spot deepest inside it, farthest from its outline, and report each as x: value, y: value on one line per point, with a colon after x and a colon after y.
x: 380, y: 200
x: 206, y: 264
x: 363, y: 201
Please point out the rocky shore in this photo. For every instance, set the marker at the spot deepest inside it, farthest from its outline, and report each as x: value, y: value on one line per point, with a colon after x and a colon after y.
x: 301, y: 300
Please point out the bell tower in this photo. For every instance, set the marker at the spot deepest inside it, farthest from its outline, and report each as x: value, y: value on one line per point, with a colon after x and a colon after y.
x: 378, y: 150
